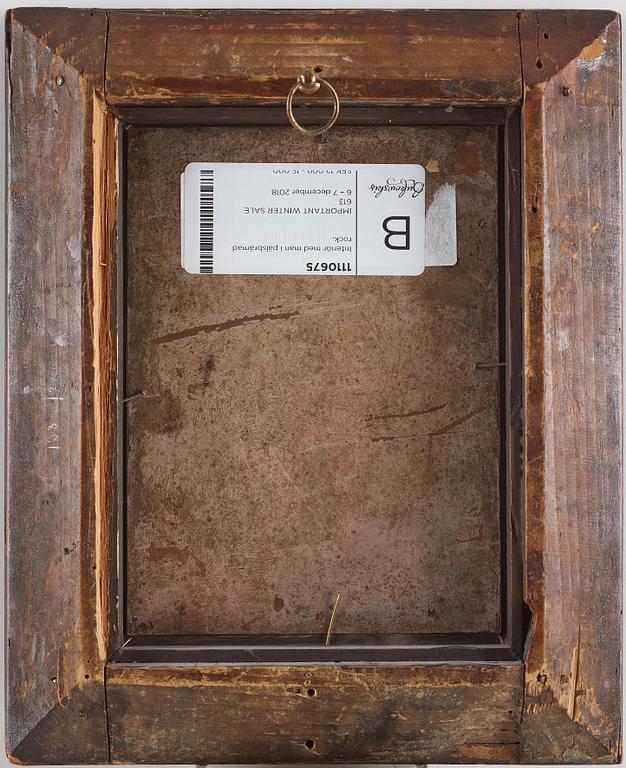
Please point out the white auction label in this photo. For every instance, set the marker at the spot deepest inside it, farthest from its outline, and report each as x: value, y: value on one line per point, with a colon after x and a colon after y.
x: 302, y: 219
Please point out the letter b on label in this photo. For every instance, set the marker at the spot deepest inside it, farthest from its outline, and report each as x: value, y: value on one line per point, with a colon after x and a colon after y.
x: 398, y: 236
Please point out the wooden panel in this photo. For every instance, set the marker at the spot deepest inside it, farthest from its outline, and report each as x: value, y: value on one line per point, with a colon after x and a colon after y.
x: 401, y: 714
x: 55, y: 691
x: 194, y: 57
x: 573, y: 378
x: 303, y: 436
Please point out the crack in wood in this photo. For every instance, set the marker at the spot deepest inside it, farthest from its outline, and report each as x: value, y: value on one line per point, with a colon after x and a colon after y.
x: 224, y: 326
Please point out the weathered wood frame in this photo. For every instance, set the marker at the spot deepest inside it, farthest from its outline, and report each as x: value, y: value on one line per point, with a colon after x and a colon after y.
x: 74, y: 79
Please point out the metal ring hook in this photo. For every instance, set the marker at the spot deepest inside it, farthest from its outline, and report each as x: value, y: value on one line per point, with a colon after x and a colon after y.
x: 309, y: 82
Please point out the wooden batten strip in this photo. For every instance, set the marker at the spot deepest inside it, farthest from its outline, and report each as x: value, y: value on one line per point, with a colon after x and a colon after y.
x: 104, y: 206
x: 534, y: 382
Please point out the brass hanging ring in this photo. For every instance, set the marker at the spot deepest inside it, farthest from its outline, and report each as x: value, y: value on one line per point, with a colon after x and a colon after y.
x: 308, y: 82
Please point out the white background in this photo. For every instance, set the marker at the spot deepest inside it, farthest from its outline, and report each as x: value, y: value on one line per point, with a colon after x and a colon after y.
x: 617, y: 5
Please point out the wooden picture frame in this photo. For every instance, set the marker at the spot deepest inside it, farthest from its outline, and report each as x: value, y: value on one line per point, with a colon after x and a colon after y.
x: 79, y: 690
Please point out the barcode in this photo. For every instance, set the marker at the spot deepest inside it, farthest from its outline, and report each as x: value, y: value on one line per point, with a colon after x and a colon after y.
x: 206, y: 221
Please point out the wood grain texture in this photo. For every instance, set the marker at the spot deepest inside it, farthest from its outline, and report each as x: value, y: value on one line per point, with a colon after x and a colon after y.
x: 200, y: 57
x: 573, y: 379
x: 102, y: 301
x: 247, y: 714
x: 55, y: 689
x: 304, y: 436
